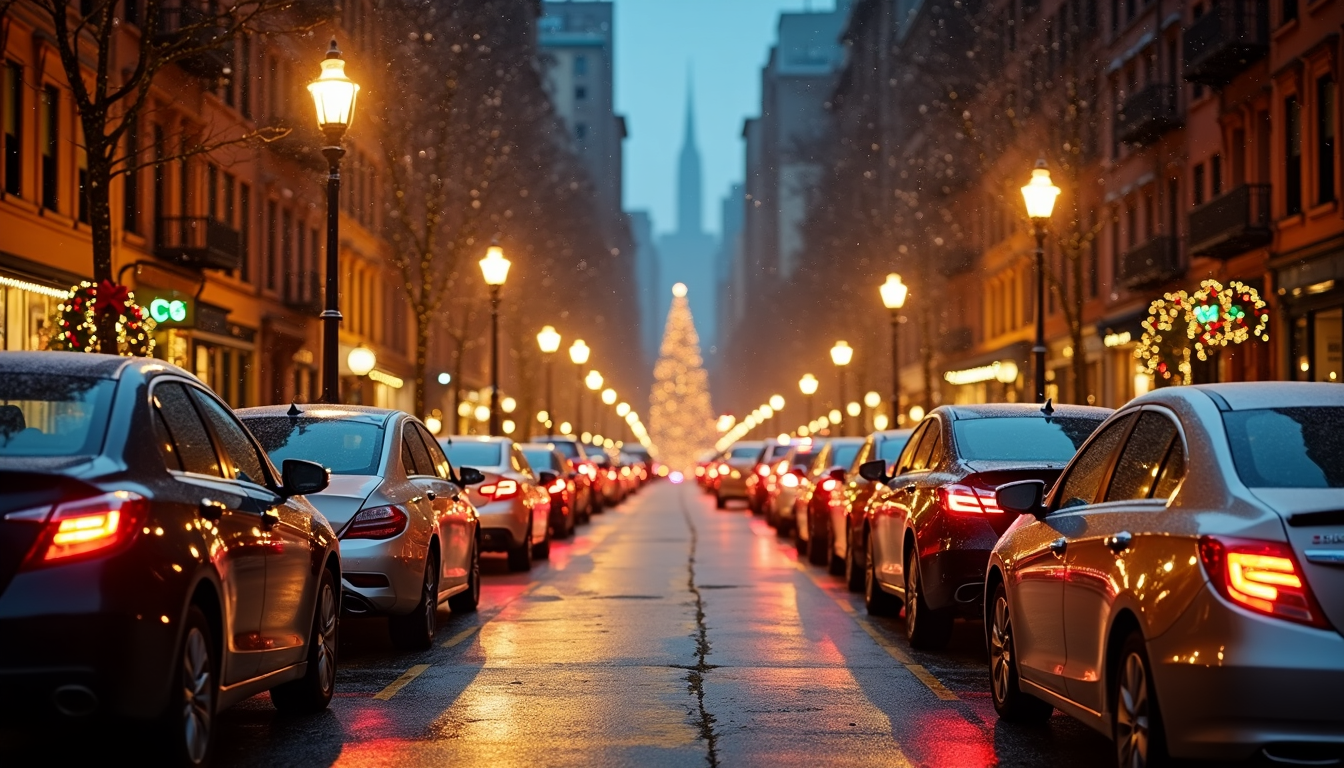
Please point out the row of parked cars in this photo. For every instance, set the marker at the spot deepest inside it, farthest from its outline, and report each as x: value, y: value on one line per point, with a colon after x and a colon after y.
x: 163, y: 557
x: 1170, y: 573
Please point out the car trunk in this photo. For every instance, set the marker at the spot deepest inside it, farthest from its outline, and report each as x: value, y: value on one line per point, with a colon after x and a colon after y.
x: 992, y: 474
x: 1314, y: 521
x: 344, y: 497
x: 27, y: 500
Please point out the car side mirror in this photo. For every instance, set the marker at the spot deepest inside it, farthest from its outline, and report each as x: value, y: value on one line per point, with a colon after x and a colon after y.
x: 300, y: 477
x: 1023, y: 497
x: 838, y: 475
x: 547, y: 478
x: 875, y: 471
x: 470, y: 476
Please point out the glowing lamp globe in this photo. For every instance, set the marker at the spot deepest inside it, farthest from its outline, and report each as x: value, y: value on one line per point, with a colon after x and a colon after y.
x: 508, y: 404
x: 835, y: 416
x: 361, y: 360
x: 333, y: 95
x: 808, y: 384
x: 880, y: 422
x: 445, y: 378
x: 494, y: 267
x: 679, y: 290
x: 872, y: 399
x: 767, y: 411
x: 434, y: 425
x: 622, y: 409
x: 593, y: 380
x: 777, y: 402
x: 1040, y: 193
x: 482, y: 413
x: 549, y: 340
x: 916, y: 413
x: 853, y: 409
x: 578, y: 352
x: 509, y: 426
x: 842, y: 353
x: 609, y: 396
x: 894, y: 292
x: 543, y: 416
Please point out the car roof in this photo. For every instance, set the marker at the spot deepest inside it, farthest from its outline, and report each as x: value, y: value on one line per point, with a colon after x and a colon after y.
x: 79, y: 364
x: 1020, y: 410
x: 450, y: 439
x: 1249, y: 395
x: 855, y: 440
x: 536, y: 447
x: 362, y: 413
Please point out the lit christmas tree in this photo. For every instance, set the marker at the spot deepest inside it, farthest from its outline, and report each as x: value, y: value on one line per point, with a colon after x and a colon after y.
x: 681, y: 420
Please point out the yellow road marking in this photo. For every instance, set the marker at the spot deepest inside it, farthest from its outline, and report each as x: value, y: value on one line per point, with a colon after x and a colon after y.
x: 460, y: 636
x: 401, y: 682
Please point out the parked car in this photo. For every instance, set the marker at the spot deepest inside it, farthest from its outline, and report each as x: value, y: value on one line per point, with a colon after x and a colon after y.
x: 588, y: 501
x: 821, y: 488
x: 1180, y: 590
x: 791, y: 473
x: 929, y: 530
x: 154, y: 565
x: 849, y: 507
x: 732, y: 470
x: 554, y: 472
x: 514, y: 509
x: 765, y: 474
x: 409, y: 536
x: 607, y: 477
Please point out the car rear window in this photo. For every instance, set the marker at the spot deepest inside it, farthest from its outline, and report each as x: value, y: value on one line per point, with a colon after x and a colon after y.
x: 342, y: 446
x: 1023, y: 438
x: 567, y: 449
x: 472, y: 454
x: 540, y: 458
x: 844, y: 455
x: 46, y: 415
x: 775, y: 452
x: 1288, y: 447
x: 745, y: 452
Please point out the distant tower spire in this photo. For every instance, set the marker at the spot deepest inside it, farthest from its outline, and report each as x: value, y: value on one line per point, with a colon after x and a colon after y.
x: 688, y: 180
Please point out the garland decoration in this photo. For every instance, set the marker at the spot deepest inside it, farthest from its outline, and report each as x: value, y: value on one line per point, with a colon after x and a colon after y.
x: 1220, y: 316
x: 77, y: 318
x: 1162, y: 351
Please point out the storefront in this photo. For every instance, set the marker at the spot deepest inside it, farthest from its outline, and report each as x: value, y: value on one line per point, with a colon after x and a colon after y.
x: 1000, y: 376
x: 29, y: 296
x: 1122, y: 376
x: 1311, y: 292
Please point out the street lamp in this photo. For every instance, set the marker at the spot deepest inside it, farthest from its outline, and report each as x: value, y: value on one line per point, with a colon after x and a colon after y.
x: 1040, y: 194
x: 776, y: 405
x: 549, y: 341
x: 578, y: 354
x: 608, y: 398
x: 495, y: 269
x: 894, y: 293
x: 841, y: 354
x: 594, y: 382
x: 808, y: 386
x: 361, y: 360
x: 334, y: 98
x: 872, y: 400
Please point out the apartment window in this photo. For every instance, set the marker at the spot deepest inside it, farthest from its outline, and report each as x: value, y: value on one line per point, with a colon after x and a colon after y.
x: 314, y: 260
x: 271, y: 262
x: 160, y: 179
x: 580, y: 65
x: 212, y: 192
x: 49, y: 128
x: 287, y: 250
x: 1289, y: 11
x: 1216, y: 175
x: 1197, y: 184
x: 1115, y: 244
x: 1130, y: 10
x: 1131, y: 224
x: 580, y: 93
x: 82, y: 168
x: 131, y: 12
x: 130, y: 199
x: 1089, y: 18
x: 245, y: 75
x: 245, y: 229
x: 1325, y: 140
x: 13, y: 104
x: 230, y: 185
x: 1292, y: 137
x: 183, y: 187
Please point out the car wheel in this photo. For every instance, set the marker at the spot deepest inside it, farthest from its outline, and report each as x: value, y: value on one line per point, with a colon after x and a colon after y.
x: 542, y: 549
x: 799, y: 543
x: 188, y: 724
x: 877, y: 600
x: 1009, y: 700
x: 312, y: 692
x: 820, y: 543
x: 835, y: 565
x: 720, y: 502
x: 415, y: 630
x: 520, y: 559
x: 925, y: 628
x: 467, y: 600
x: 853, y: 571
x: 1136, y: 719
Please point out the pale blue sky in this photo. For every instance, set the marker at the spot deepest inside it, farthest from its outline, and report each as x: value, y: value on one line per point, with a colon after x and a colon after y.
x: 726, y: 43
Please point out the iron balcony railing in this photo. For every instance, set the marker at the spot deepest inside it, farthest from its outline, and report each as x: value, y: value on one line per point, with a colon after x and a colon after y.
x: 198, y: 242
x: 1147, y: 114
x: 1232, y: 223
x: 1152, y: 263
x: 1228, y: 38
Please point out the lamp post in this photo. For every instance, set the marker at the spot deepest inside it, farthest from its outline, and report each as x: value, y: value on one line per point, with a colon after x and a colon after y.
x: 578, y: 354
x: 894, y: 293
x: 776, y: 405
x: 808, y: 386
x: 495, y: 268
x: 549, y: 341
x: 608, y: 398
x: 841, y: 354
x: 334, y: 97
x: 1040, y: 194
x: 594, y: 382
x: 872, y: 400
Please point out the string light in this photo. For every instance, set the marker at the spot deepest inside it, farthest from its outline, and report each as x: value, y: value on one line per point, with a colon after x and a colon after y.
x: 78, y: 315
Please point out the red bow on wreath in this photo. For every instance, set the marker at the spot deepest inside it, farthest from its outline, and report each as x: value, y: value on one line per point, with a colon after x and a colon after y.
x: 111, y: 296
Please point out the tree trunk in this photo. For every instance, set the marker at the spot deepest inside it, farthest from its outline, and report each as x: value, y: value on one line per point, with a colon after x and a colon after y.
x: 100, y: 229
x: 421, y: 361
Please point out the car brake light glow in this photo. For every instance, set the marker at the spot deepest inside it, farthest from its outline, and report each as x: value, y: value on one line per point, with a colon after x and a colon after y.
x: 557, y: 487
x: 376, y: 523
x: 611, y: 474
x: 789, y: 481
x: 499, y: 491
x: 89, y: 527
x: 781, y: 467
x: 963, y: 499
x: 713, y: 473
x: 1262, y: 576
x: 829, y: 484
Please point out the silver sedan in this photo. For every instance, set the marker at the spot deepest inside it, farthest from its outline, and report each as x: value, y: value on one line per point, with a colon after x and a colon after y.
x: 515, y: 509
x: 1181, y: 589
x: 409, y: 536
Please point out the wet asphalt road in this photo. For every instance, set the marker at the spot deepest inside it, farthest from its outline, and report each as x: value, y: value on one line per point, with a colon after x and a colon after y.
x: 666, y: 633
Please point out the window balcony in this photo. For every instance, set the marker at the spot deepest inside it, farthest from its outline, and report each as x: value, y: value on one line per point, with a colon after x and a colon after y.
x: 198, y: 242
x: 1152, y: 263
x: 1147, y: 114
x: 1222, y: 43
x: 301, y: 142
x: 1232, y: 223
x: 954, y: 261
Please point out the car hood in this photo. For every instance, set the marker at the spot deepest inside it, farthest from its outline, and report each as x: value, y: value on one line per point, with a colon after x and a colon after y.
x: 344, y: 497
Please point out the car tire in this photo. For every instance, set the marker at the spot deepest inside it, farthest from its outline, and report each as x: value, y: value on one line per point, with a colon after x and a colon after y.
x: 186, y: 729
x: 799, y: 543
x: 542, y: 549
x: 853, y: 571
x: 467, y: 600
x: 520, y: 557
x: 878, y: 601
x: 1009, y: 700
x: 415, y: 630
x: 820, y: 543
x: 835, y: 565
x: 720, y: 502
x: 1136, y: 719
x: 312, y: 692
x: 925, y: 628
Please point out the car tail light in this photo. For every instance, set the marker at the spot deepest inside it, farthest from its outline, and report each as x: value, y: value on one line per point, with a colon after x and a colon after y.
x: 499, y: 491
x: 1262, y: 576
x: 829, y: 484
x: 789, y: 481
x: 965, y: 500
x: 376, y: 523
x: 611, y: 474
x: 558, y: 486
x: 90, y: 527
x: 713, y: 473
x: 625, y: 471
x: 763, y: 470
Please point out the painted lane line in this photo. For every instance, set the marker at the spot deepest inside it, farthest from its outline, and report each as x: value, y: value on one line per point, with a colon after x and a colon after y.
x: 401, y: 682
x: 460, y: 636
x: 926, y: 677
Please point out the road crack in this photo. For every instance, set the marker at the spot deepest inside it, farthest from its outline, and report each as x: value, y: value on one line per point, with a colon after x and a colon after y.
x: 695, y: 676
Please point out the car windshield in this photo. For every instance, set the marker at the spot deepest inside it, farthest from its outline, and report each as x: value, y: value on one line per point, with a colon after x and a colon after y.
x: 844, y: 455
x: 46, y: 415
x: 342, y: 446
x: 1031, y: 438
x: 1288, y: 447
x: 541, y: 458
x: 744, y: 452
x: 472, y: 454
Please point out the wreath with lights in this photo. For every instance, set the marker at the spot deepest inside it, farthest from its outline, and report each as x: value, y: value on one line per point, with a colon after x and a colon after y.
x: 1221, y: 316
x: 77, y: 320
x: 1163, y: 352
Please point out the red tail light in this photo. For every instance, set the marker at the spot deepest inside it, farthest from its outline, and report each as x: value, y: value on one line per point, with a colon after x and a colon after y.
x: 789, y: 481
x: 1262, y: 576
x: 499, y: 491
x: 557, y: 487
x: 376, y: 523
x: 611, y: 474
x: 829, y: 484
x: 966, y: 500
x: 90, y: 527
x: 713, y: 473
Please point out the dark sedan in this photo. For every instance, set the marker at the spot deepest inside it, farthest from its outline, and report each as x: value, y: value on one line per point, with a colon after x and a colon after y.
x: 153, y: 563
x: 555, y: 473
x: 929, y: 530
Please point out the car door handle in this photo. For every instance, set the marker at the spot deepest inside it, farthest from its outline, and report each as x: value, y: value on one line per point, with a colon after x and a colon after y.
x: 212, y: 510
x: 1059, y: 545
x: 431, y: 495
x: 1120, y: 541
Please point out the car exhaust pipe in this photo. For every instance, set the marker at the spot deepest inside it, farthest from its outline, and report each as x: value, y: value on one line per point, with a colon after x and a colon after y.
x: 970, y: 593
x: 75, y: 701
x: 355, y: 605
